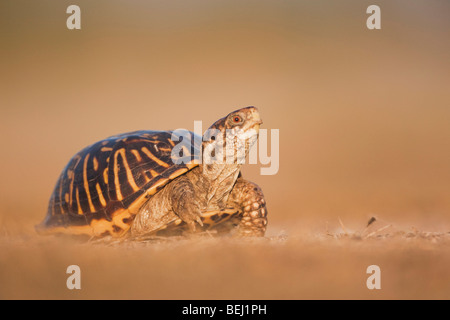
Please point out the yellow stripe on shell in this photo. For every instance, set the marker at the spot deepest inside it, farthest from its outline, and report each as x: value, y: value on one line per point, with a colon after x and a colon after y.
x: 105, y: 175
x: 100, y: 195
x: 128, y: 171
x: 154, y: 173
x: 95, y: 161
x: 178, y: 173
x: 116, y: 178
x: 152, y: 156
x: 72, y: 178
x: 80, y: 211
x: 136, y: 155
x: 129, y: 174
x: 86, y: 184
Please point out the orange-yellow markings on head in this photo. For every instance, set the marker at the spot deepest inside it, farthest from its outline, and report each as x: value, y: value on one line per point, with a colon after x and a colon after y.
x: 104, y: 149
x: 152, y: 156
x: 171, y: 142
x: 100, y: 195
x: 86, y: 183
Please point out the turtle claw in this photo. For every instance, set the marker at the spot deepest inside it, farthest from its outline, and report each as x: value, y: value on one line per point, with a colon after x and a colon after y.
x: 192, y: 225
x: 199, y: 221
x: 192, y: 218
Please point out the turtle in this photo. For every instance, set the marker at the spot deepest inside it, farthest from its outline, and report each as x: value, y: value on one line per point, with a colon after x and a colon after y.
x: 161, y: 183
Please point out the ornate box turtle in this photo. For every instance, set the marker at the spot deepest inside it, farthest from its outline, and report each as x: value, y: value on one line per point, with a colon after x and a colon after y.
x: 130, y: 186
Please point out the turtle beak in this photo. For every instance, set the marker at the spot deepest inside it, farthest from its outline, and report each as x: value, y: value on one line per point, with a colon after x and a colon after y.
x: 256, y: 126
x: 256, y: 119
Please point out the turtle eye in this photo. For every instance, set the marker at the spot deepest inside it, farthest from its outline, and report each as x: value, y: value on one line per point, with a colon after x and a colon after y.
x: 237, y: 119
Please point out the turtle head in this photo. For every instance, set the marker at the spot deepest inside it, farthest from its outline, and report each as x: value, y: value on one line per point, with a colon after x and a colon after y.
x: 229, y: 139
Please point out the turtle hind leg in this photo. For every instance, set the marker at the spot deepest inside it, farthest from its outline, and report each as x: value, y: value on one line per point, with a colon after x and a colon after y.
x: 249, y: 197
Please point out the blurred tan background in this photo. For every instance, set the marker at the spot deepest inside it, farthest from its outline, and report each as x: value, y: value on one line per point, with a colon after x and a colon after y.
x: 363, y: 115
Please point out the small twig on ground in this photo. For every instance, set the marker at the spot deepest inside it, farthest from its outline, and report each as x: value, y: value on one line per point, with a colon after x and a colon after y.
x: 378, y: 230
x: 342, y: 226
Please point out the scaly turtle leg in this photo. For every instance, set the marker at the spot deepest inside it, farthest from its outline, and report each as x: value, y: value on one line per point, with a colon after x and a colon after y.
x: 249, y: 198
x: 175, y: 201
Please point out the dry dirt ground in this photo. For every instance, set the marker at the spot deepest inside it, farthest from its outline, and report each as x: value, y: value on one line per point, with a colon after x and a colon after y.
x: 328, y: 264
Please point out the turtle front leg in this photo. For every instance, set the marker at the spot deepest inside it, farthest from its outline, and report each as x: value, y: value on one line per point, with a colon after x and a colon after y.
x: 249, y: 197
x: 176, y: 200
x: 184, y: 202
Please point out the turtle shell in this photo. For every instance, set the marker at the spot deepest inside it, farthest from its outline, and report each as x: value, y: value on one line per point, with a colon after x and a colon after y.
x: 104, y: 185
